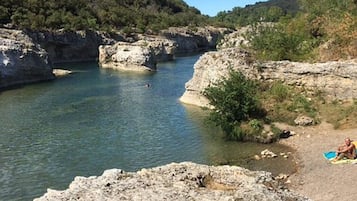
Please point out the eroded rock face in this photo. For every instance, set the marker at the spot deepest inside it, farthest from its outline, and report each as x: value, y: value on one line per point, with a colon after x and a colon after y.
x: 163, y: 49
x: 127, y: 56
x: 337, y: 79
x: 209, y: 69
x: 21, y: 61
x: 73, y: 46
x: 190, y: 40
x: 183, y: 181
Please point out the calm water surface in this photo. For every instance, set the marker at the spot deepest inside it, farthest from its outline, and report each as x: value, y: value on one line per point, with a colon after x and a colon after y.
x: 99, y: 119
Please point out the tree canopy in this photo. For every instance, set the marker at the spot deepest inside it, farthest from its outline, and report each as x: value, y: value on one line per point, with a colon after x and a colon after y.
x: 270, y: 11
x: 135, y: 15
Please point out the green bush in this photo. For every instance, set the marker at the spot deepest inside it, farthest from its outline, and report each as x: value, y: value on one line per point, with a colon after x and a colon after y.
x: 234, y: 100
x: 275, y: 42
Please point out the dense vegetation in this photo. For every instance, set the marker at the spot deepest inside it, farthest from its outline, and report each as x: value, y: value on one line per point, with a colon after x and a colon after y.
x: 242, y: 106
x: 235, y: 101
x: 270, y: 11
x: 323, y: 30
x: 128, y: 15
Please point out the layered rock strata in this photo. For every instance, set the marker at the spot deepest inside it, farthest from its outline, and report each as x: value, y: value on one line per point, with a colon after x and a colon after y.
x: 21, y: 61
x: 183, y: 181
x: 337, y: 79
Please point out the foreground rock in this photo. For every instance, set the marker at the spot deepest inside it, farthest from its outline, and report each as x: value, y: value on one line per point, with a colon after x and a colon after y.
x: 21, y: 61
x: 337, y: 79
x: 127, y: 56
x: 183, y: 181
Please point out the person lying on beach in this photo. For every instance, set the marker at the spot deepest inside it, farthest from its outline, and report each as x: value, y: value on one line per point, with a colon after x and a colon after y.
x: 347, y: 150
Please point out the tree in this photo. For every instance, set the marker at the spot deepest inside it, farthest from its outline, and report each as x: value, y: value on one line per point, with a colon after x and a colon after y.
x: 234, y: 100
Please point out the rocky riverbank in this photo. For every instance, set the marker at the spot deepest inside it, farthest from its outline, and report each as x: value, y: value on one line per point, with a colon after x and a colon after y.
x: 22, y: 60
x: 27, y: 56
x: 182, y: 181
x: 148, y: 49
x: 337, y: 79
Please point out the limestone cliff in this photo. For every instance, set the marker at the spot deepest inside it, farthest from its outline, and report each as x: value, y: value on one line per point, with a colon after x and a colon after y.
x: 183, y: 181
x: 21, y: 61
x: 72, y: 46
x: 198, y: 39
x: 337, y: 79
x: 69, y: 46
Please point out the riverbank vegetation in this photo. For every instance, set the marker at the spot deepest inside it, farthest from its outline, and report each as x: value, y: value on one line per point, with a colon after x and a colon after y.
x: 242, y: 107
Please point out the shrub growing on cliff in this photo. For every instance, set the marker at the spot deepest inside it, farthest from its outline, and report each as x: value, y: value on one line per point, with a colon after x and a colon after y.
x: 234, y: 100
x: 275, y: 42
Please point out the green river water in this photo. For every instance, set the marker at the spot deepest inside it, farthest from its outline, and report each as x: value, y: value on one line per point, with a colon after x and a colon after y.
x: 99, y: 119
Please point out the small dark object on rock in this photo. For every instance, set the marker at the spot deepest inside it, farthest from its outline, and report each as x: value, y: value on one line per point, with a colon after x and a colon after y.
x: 285, y: 134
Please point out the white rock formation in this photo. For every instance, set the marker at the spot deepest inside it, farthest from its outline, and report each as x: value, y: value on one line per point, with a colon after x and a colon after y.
x: 21, y: 61
x: 163, y: 49
x: 61, y: 72
x: 209, y: 69
x: 337, y: 79
x: 183, y: 181
x: 127, y: 56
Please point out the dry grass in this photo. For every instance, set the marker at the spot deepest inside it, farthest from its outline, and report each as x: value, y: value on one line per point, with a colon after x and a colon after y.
x: 341, y: 114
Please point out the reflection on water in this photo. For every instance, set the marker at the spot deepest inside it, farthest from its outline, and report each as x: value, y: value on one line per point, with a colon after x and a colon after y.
x: 99, y: 119
x: 220, y: 151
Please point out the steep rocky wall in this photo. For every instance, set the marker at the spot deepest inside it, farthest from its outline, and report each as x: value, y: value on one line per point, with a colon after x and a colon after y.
x: 338, y: 79
x: 190, y: 40
x: 183, y: 181
x: 71, y: 46
x: 21, y: 61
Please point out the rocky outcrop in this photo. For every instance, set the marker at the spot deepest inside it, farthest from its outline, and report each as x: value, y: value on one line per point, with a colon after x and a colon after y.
x: 21, y: 61
x: 337, y: 79
x: 209, y: 69
x: 190, y: 40
x: 183, y: 181
x: 69, y: 46
x: 235, y: 39
x: 127, y: 56
x: 72, y: 46
x: 162, y: 48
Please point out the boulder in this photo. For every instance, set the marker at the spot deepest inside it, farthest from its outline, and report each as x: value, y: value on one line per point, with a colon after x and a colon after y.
x: 127, y: 57
x: 177, y: 181
x: 304, y: 121
x: 21, y: 60
x: 61, y: 72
